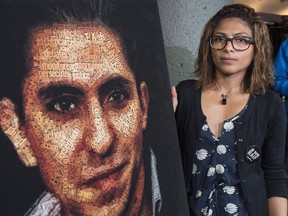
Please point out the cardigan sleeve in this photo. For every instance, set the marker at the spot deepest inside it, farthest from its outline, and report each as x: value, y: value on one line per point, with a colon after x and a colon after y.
x: 274, y: 150
x: 180, y: 114
x: 185, y: 122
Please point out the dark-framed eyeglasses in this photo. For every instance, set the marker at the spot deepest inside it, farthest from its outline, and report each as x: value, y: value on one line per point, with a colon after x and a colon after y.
x: 239, y: 43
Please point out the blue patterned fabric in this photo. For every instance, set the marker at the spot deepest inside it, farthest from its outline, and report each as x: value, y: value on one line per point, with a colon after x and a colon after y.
x: 215, y: 187
x: 281, y: 69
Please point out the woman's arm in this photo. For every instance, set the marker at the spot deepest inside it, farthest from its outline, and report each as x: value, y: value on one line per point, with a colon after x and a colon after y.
x: 277, y: 206
x: 174, y: 97
x: 273, y: 152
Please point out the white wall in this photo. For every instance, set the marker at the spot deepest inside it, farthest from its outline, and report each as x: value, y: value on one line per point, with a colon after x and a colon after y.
x: 182, y: 24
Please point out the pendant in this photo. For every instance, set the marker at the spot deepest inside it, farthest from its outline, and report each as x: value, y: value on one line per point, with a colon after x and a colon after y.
x: 224, y: 99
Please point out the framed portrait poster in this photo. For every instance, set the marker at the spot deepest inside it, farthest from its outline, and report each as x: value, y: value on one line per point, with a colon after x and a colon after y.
x: 87, y: 126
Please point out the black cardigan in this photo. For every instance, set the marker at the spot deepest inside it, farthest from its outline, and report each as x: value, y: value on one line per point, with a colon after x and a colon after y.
x: 262, y: 125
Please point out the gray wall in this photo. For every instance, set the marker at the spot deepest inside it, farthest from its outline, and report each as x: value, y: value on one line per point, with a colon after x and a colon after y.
x: 182, y: 24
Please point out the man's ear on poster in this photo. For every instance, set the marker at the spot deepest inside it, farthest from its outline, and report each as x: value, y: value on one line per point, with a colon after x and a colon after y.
x: 144, y: 102
x: 10, y: 124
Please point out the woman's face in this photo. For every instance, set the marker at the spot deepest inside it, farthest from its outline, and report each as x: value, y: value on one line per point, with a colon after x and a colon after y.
x: 229, y: 61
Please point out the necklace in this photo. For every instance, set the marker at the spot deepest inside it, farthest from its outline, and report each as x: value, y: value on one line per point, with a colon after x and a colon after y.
x: 223, y: 96
x: 224, y: 99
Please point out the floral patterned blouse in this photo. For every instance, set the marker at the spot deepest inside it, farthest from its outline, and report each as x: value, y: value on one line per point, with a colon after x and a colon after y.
x: 215, y: 189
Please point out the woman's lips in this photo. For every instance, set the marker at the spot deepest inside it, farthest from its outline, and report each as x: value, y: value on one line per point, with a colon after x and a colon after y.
x: 228, y: 60
x: 106, y: 178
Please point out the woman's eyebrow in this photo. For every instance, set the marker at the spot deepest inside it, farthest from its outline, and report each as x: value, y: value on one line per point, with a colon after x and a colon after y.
x: 235, y: 34
x: 54, y: 90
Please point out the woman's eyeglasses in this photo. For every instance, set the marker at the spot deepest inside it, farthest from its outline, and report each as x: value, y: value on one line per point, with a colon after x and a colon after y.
x: 239, y: 43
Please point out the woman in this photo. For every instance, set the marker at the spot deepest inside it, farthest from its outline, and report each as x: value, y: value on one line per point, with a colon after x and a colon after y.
x: 231, y: 127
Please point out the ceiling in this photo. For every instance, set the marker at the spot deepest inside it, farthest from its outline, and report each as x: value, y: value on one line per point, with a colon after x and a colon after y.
x: 270, y: 10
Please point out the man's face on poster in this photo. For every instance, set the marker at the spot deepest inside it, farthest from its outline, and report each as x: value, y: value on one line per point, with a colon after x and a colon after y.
x: 84, y: 118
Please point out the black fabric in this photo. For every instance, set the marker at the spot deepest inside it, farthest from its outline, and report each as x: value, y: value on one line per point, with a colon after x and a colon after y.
x: 262, y: 125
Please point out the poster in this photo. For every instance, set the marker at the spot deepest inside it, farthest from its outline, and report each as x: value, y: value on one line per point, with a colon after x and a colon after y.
x: 87, y: 126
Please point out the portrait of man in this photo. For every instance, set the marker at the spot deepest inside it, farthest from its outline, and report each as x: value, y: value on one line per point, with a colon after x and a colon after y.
x: 75, y: 104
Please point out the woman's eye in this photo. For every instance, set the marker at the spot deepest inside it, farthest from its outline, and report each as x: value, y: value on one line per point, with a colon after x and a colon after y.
x: 63, y: 104
x: 218, y: 39
x: 242, y: 40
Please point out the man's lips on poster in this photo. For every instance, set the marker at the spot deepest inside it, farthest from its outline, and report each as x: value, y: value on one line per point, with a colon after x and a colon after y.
x: 106, y: 176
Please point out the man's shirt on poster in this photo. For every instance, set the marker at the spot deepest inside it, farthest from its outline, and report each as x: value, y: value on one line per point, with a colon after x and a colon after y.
x: 48, y: 205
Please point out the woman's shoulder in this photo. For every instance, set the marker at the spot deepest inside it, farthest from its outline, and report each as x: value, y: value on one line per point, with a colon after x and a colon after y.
x: 188, y: 93
x: 269, y: 94
x: 269, y: 99
x: 187, y: 84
